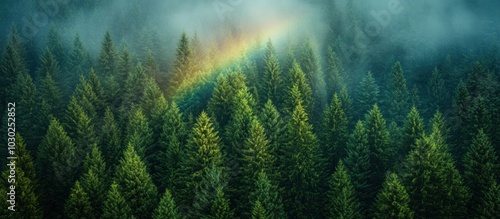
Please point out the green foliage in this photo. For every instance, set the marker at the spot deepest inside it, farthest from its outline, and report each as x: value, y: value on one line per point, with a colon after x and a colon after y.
x: 413, y: 130
x: 79, y: 62
x: 78, y: 204
x: 334, y: 134
x: 220, y: 207
x: 481, y: 170
x: 272, y: 82
x: 397, y: 94
x: 334, y: 73
x: 368, y: 93
x: 166, y: 208
x: 490, y: 206
x: 436, y: 91
x: 183, y: 65
x: 301, y: 164
x: 273, y: 127
x: 111, y: 142
x: 135, y: 184
x: 299, y: 90
x: 139, y: 134
x: 393, y: 201
x: 209, y: 199
x: 51, y: 96
x: 342, y: 200
x: 268, y: 195
x: 57, y: 164
x: 107, y: 57
x: 357, y: 163
x: 94, y: 181
x: 115, y: 206
x: 258, y: 212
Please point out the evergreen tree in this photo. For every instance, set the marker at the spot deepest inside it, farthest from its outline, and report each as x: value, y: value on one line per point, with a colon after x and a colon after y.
x: 381, y: 155
x: 298, y: 79
x: 397, y: 94
x: 93, y: 181
x: 413, y: 130
x: 106, y: 62
x: 346, y: 104
x: 11, y: 65
x: 166, y: 208
x: 393, y: 200
x: 26, y: 197
x: 51, y: 96
x: 268, y: 195
x: 115, y: 206
x: 79, y: 62
x: 209, y: 199
x: 182, y: 69
x: 272, y: 82
x: 342, y: 200
x: 24, y: 93
x: 78, y: 204
x: 100, y: 101
x: 202, y: 152
x: 258, y: 212
x: 135, y: 184
x: 481, y: 170
x: 111, y: 139
x: 436, y: 91
x: 220, y: 208
x: 357, y: 163
x: 434, y: 184
x: 368, y: 93
x: 56, y: 163
x: 273, y: 127
x: 334, y: 73
x: 490, y: 207
x: 301, y: 165
x: 256, y: 155
x: 49, y: 66
x: 140, y: 135
x: 335, y: 134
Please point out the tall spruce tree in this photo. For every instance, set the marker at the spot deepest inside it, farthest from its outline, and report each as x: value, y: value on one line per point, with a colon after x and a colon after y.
x: 93, y: 180
x: 334, y: 73
x: 78, y: 204
x: 301, y: 162
x: 135, y: 184
x: 368, y: 94
x: 115, y: 206
x: 298, y: 79
x: 397, y: 94
x: 393, y: 201
x: 167, y: 208
x: 272, y: 82
x: 342, y: 200
x: 107, y: 57
x: 182, y: 69
x: 335, y: 135
x: 490, y: 206
x: 110, y: 139
x: 481, y: 171
x: 268, y: 195
x: 140, y: 135
x: 413, y: 130
x: 436, y: 91
x: 273, y: 127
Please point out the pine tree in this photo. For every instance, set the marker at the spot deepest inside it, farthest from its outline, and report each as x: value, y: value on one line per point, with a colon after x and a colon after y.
x: 140, y: 135
x: 434, y: 184
x: 135, y: 184
x: 481, y: 170
x: 268, y: 195
x: 106, y: 62
x: 258, y: 212
x: 79, y: 62
x: 334, y: 73
x: 166, y: 208
x: 115, y: 206
x: 398, y: 94
x: 342, y: 200
x: 51, y: 96
x: 357, y: 163
x: 24, y: 93
x: 381, y: 155
x: 172, y: 138
x: 436, y: 91
x: 26, y: 197
x: 272, y: 82
x: 111, y: 141
x: 100, y: 101
x: 202, y: 152
x: 256, y: 155
x: 301, y: 165
x: 93, y: 181
x: 393, y: 200
x: 298, y: 79
x: 49, y: 66
x: 11, y: 65
x: 490, y: 207
x: 78, y: 204
x: 273, y: 127
x: 346, y: 104
x: 56, y: 163
x: 413, y: 130
x: 220, y: 208
x: 183, y: 65
x: 368, y: 93
x: 209, y: 198
x: 335, y: 134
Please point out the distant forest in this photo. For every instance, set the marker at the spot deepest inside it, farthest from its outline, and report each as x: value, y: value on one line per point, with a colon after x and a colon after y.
x: 144, y: 122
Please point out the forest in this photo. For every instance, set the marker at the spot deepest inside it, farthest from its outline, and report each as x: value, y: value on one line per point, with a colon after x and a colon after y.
x: 220, y: 109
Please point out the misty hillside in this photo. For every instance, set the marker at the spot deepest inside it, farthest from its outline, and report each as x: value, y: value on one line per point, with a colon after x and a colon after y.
x: 250, y: 109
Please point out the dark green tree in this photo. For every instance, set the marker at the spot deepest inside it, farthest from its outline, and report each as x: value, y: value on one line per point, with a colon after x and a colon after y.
x: 481, y: 170
x: 209, y: 199
x: 490, y: 207
x: 342, y: 200
x: 166, y: 208
x: 334, y: 134
x: 183, y: 65
x: 302, y: 165
x: 56, y: 163
x: 139, y: 134
x: 220, y: 207
x: 11, y: 65
x: 272, y: 81
x: 413, y: 130
x: 107, y: 58
x: 115, y: 206
x: 79, y: 62
x: 258, y: 212
x: 93, y: 180
x: 268, y: 195
x: 393, y: 201
x: 111, y: 141
x: 78, y: 204
x: 135, y: 184
x: 51, y: 96
x: 398, y: 96
x: 273, y: 127
x: 298, y: 79
x: 436, y: 91
x: 368, y: 93
x: 334, y: 73
x: 357, y: 163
